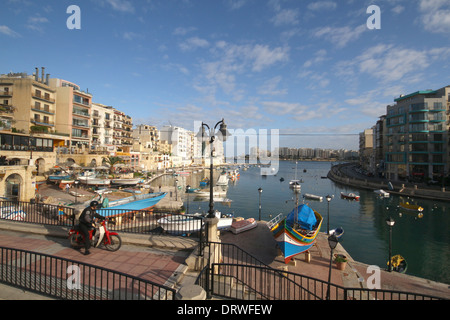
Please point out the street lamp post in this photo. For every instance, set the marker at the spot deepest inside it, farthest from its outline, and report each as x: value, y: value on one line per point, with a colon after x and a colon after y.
x: 188, y: 187
x: 212, y: 137
x: 328, y: 214
x: 390, y: 222
x: 332, y: 242
x: 260, y: 190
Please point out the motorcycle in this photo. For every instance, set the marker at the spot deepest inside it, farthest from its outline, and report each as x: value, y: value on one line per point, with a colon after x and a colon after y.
x: 99, y: 235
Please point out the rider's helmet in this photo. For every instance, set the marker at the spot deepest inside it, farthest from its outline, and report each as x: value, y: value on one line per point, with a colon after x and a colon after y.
x: 94, y: 204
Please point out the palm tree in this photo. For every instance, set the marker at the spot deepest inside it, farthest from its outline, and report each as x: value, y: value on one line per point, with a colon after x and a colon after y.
x: 112, y: 160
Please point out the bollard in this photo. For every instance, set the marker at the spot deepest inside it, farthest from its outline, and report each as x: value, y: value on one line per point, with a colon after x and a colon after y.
x: 191, y: 292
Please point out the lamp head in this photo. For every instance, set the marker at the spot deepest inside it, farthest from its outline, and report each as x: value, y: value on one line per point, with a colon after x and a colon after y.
x: 390, y: 222
x: 223, y: 130
x: 333, y: 241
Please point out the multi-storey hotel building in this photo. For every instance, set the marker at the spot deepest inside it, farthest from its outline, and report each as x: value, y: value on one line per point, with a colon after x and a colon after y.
x: 417, y: 138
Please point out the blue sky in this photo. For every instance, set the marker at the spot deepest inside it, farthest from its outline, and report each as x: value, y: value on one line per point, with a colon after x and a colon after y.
x: 311, y: 69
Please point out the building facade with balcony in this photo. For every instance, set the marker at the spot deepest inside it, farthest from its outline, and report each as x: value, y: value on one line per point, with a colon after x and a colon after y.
x: 27, y: 103
x: 74, y: 113
x: 417, y: 136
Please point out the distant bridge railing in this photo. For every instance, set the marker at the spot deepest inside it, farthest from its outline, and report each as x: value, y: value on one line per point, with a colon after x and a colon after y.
x: 62, y: 278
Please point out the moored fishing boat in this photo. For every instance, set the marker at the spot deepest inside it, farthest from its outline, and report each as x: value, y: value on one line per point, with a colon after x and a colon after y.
x: 181, y: 224
x: 243, y: 225
x: 297, y: 232
x: 126, y: 181
x: 382, y: 193
x: 132, y: 203
x: 94, y: 181
x: 399, y: 264
x: 410, y: 207
x: 204, y: 182
x: 338, y: 232
x: 312, y: 197
x: 349, y: 196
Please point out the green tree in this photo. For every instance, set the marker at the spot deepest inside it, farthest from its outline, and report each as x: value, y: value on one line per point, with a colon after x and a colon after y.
x: 112, y: 160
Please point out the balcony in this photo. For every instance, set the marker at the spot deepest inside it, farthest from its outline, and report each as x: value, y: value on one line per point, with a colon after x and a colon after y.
x: 44, y: 123
x: 48, y: 111
x: 42, y: 97
x: 6, y: 110
x: 5, y: 93
x: 80, y: 113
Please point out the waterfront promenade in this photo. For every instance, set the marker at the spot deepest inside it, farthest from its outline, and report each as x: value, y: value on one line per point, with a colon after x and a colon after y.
x: 163, y: 259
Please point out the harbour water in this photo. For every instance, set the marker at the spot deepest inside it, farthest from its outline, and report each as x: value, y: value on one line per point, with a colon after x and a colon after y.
x: 423, y: 241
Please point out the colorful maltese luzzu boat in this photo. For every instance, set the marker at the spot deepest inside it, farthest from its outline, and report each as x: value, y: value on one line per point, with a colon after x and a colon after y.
x: 297, y: 232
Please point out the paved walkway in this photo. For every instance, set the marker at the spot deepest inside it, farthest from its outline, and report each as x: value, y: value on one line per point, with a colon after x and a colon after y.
x: 162, y: 259
x: 157, y: 264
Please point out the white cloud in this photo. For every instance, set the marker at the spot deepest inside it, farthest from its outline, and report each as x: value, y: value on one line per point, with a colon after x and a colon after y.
x: 36, y: 23
x: 322, y: 5
x: 389, y: 63
x: 270, y: 87
x: 121, y: 5
x: 301, y: 112
x: 319, y: 57
x: 9, y: 32
x: 235, y: 4
x: 398, y: 9
x: 180, y: 31
x: 193, y: 43
x: 340, y: 36
x: 230, y: 61
x: 131, y: 35
x: 435, y: 15
x: 285, y: 17
x: 263, y: 56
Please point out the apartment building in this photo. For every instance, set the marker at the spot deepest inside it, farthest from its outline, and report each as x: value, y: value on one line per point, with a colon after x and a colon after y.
x: 73, y: 117
x: 417, y: 136
x: 181, y: 141
x: 366, y: 152
x: 27, y: 103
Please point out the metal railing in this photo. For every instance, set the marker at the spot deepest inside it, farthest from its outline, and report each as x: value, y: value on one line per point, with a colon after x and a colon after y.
x: 37, y: 213
x: 67, y: 279
x: 232, y: 273
x: 130, y: 221
x: 246, y: 282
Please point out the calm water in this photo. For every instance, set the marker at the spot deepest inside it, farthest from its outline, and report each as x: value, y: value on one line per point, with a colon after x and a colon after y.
x: 423, y: 242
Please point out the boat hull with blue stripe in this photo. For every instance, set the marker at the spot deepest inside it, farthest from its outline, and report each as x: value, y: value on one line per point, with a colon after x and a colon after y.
x: 296, y: 236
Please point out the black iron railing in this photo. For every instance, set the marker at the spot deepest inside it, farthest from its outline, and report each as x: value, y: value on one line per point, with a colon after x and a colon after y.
x: 67, y: 279
x: 246, y: 282
x: 232, y: 273
x: 131, y: 221
x: 37, y: 213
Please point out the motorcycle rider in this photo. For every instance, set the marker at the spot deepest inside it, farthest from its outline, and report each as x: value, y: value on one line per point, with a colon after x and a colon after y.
x: 87, y: 223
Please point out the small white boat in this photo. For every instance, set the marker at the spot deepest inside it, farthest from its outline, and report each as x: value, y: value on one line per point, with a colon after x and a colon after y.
x: 382, y: 193
x: 312, y: 197
x: 181, y: 224
x: 243, y: 225
x: 223, y: 180
x: 218, y: 192
x: 126, y: 181
x: 94, y: 181
x: 295, y: 184
x: 185, y: 224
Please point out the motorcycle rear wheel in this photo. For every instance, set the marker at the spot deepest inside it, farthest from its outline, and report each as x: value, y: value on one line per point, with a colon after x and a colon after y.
x: 115, y: 244
x: 76, y: 240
